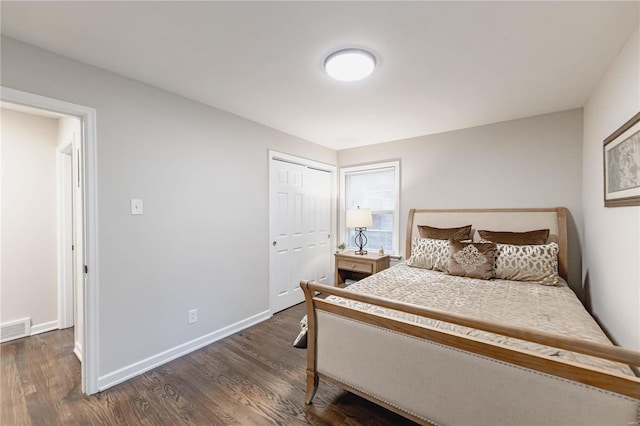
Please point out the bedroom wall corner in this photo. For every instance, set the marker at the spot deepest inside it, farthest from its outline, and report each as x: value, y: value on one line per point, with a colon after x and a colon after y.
x: 611, y: 272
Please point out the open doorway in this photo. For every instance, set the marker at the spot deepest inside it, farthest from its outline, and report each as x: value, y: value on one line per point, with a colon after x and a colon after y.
x: 41, y: 224
x: 48, y: 226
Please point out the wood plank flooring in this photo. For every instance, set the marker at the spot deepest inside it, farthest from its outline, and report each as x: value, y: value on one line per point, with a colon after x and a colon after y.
x: 254, y: 377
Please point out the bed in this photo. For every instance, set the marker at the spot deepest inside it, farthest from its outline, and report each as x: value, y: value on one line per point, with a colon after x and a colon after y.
x: 442, y: 349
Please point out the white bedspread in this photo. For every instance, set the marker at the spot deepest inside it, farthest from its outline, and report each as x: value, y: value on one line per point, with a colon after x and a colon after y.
x: 547, y: 308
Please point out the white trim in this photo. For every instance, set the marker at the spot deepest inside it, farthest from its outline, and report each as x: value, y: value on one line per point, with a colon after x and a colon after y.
x: 44, y: 327
x: 91, y: 285
x: 396, y: 217
x: 137, y: 368
x: 65, y: 312
x: 77, y: 350
x: 275, y: 155
x: 91, y: 289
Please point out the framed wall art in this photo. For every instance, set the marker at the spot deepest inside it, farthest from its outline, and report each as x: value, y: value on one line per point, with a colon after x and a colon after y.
x: 622, y: 165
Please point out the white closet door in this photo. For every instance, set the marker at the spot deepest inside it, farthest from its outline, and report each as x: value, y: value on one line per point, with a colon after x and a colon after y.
x: 319, y: 224
x: 300, y: 220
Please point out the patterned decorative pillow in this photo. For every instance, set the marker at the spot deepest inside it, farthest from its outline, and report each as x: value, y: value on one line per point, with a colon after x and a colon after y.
x: 427, y: 253
x: 472, y: 260
x: 461, y: 233
x: 537, y: 263
x: 539, y: 236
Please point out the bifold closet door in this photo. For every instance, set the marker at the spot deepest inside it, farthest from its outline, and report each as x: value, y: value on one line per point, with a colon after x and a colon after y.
x: 300, y: 221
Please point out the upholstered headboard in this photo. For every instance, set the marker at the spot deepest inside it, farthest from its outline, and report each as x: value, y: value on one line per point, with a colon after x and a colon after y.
x: 515, y: 220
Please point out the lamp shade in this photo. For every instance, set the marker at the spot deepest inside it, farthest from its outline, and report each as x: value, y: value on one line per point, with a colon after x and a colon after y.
x: 359, y: 218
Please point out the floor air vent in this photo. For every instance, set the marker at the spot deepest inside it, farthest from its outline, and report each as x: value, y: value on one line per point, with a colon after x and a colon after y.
x: 15, y: 330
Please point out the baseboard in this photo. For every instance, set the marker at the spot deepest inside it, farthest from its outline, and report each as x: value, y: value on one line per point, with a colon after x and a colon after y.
x: 137, y: 368
x: 77, y: 349
x: 44, y: 327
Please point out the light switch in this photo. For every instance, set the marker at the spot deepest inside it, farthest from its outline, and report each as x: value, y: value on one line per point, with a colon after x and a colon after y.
x: 136, y: 206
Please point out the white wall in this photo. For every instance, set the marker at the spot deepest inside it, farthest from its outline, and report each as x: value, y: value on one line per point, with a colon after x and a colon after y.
x: 203, y: 175
x: 612, y: 235
x: 29, y: 262
x: 532, y: 162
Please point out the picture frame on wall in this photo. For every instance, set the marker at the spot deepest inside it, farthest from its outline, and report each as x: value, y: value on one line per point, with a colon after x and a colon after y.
x: 621, y: 155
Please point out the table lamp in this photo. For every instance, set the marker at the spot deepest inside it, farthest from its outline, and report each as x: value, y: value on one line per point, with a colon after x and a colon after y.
x: 359, y: 219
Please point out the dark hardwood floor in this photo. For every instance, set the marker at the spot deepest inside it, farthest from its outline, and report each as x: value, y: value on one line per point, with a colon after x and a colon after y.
x: 254, y: 377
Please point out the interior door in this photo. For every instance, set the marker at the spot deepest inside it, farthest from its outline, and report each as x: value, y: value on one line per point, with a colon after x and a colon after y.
x: 78, y: 242
x: 317, y: 225
x: 300, y: 220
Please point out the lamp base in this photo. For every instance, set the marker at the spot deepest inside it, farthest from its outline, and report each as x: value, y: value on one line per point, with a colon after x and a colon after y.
x: 361, y: 241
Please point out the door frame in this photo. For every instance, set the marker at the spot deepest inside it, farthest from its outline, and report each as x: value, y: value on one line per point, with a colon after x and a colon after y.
x: 89, y: 368
x: 332, y: 169
x: 65, y: 310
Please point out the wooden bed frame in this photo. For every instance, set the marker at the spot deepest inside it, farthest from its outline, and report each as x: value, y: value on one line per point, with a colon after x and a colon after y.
x: 583, y: 394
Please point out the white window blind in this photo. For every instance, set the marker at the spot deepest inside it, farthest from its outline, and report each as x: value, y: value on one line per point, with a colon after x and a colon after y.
x: 374, y: 186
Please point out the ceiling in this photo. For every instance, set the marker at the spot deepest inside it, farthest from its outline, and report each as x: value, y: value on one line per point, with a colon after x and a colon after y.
x: 441, y: 65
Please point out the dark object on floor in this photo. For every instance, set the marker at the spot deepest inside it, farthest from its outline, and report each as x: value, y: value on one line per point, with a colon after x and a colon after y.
x: 301, y: 340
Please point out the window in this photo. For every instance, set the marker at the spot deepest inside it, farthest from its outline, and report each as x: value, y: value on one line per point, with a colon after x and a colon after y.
x: 374, y: 186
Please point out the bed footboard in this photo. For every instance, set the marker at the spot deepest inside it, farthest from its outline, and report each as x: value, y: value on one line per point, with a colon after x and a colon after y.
x: 432, y: 376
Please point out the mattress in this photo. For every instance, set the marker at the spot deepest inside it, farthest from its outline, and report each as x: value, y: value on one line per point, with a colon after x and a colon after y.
x: 553, y: 309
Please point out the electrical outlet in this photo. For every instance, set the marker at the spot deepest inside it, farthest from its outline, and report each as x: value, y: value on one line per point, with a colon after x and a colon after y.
x: 193, y: 316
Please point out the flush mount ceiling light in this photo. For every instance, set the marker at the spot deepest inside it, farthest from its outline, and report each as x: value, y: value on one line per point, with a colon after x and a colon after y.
x: 350, y: 64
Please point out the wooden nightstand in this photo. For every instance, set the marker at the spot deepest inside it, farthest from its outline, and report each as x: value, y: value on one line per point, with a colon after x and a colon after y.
x: 356, y: 267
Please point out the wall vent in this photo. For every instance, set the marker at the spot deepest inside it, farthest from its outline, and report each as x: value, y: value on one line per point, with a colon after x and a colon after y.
x: 15, y: 330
